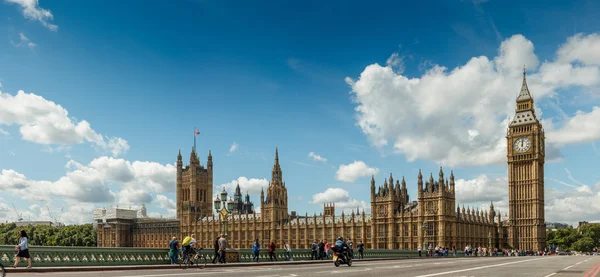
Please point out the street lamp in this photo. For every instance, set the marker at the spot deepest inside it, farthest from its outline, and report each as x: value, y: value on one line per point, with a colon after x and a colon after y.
x: 425, y: 244
x: 490, y: 240
x: 223, y: 208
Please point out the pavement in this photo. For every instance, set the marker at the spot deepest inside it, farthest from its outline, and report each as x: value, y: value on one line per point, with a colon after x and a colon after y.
x: 552, y: 266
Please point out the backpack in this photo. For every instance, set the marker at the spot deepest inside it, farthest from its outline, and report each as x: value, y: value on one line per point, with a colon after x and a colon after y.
x: 186, y: 241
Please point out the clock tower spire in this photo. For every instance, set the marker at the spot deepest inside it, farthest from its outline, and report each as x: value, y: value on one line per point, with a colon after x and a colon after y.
x: 526, y: 158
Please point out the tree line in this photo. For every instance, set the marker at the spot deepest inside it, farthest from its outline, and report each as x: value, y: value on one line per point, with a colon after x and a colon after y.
x: 584, y: 239
x: 71, y: 235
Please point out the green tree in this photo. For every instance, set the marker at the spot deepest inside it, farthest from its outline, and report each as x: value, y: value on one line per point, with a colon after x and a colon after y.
x: 72, y: 235
x: 585, y: 244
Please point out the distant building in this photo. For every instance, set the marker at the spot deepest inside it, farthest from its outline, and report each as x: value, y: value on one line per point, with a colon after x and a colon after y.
x: 585, y: 223
x: 553, y: 226
x: 119, y: 227
x: 242, y: 206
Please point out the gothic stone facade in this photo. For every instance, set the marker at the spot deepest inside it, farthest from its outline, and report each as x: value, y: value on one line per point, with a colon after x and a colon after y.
x: 395, y: 222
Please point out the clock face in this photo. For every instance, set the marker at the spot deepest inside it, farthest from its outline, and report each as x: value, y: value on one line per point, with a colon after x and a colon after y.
x: 522, y: 144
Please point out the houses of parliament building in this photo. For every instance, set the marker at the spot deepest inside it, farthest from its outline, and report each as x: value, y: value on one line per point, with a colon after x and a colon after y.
x: 394, y: 222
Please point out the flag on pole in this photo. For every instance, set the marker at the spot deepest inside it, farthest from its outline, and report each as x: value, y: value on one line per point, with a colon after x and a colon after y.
x: 196, y: 132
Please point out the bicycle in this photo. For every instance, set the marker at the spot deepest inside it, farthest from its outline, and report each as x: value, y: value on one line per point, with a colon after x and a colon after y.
x: 199, y: 259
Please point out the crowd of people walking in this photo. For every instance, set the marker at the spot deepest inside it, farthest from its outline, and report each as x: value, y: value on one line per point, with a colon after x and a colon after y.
x: 320, y: 249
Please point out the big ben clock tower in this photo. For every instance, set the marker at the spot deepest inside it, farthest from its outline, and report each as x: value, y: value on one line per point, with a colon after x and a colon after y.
x: 526, y: 156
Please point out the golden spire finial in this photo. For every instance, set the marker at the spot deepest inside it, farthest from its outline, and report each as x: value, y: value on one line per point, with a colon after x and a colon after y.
x: 524, y: 70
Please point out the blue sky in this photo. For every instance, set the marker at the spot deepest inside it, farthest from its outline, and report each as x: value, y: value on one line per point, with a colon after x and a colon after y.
x: 267, y: 74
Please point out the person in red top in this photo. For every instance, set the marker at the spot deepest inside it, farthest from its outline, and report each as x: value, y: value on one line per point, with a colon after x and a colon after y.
x: 272, y: 255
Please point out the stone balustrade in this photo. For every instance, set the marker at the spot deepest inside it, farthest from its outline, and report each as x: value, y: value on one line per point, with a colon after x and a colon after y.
x: 44, y: 256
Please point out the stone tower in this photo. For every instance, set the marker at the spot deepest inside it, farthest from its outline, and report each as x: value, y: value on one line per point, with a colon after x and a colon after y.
x: 526, y: 157
x: 275, y: 207
x: 329, y: 209
x: 438, y: 212
x: 194, y: 191
x: 388, y: 202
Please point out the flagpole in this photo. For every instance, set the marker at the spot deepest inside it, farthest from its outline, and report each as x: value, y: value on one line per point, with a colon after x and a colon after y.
x: 194, y: 139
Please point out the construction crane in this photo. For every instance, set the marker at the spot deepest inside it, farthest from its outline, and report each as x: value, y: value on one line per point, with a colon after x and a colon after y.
x: 55, y: 218
x: 19, y: 216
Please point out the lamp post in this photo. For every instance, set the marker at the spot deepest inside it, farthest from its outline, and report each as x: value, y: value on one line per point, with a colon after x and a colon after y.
x: 490, y: 240
x: 425, y: 244
x: 223, y: 208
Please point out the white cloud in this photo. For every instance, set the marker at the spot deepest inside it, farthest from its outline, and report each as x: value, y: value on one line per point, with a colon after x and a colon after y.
x: 583, y: 127
x: 33, y: 11
x: 481, y: 189
x: 45, y: 122
x: 233, y: 147
x: 23, y: 41
x: 316, y: 157
x: 131, y: 195
x: 89, y: 183
x: 562, y: 204
x: 357, y: 169
x: 168, y: 204
x: 165, y: 202
x: 571, y: 204
x: 252, y: 185
x: 5, y: 211
x: 579, y: 48
x: 82, y: 185
x: 469, y: 105
x: 396, y: 63
x: 331, y: 195
x: 2, y: 132
x: 341, y: 198
x: 478, y: 193
x: 72, y: 213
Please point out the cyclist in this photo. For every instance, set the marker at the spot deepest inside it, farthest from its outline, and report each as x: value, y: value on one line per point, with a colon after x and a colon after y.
x: 187, y: 245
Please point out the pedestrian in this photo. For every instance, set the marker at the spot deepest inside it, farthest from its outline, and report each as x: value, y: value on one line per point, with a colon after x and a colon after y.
x: 216, y: 246
x: 321, y: 250
x: 22, y: 249
x: 351, y: 250
x: 327, y: 247
x: 314, y: 250
x: 420, y: 249
x: 272, y: 251
x: 256, y: 250
x: 361, y: 249
x: 173, y: 253
x: 222, y: 248
x: 288, y: 251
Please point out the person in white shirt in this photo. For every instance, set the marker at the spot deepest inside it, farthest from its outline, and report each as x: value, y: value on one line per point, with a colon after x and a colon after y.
x: 288, y: 251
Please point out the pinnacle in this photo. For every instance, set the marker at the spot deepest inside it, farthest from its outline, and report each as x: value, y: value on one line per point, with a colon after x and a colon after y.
x: 524, y: 93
